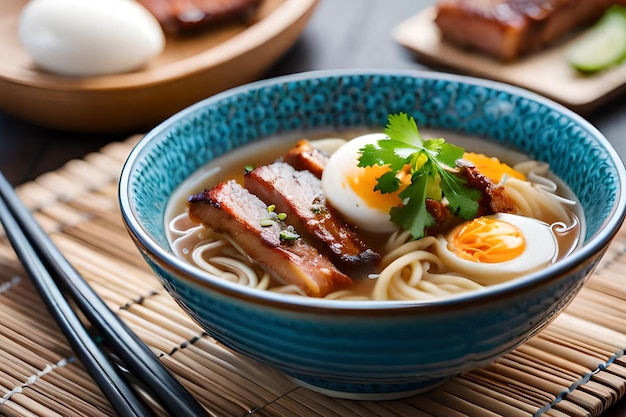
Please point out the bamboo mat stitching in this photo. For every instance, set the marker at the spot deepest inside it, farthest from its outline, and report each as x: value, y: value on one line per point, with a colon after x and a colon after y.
x: 601, y: 367
x: 6, y: 285
x: 5, y: 289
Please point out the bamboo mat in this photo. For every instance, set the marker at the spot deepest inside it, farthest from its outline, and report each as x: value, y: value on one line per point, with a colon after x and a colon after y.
x: 575, y: 367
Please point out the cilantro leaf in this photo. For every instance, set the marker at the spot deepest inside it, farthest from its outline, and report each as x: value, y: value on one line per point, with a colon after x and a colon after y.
x: 379, y: 155
x: 431, y: 163
x: 400, y: 127
x: 413, y: 216
x: 388, y: 183
x: 446, y: 153
x: 462, y: 200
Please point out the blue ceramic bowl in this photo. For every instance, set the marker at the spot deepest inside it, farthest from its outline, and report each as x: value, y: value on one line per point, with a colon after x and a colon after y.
x: 372, y: 350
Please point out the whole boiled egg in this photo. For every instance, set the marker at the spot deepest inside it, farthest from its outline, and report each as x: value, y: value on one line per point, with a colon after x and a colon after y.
x: 350, y: 188
x: 496, y: 248
x: 89, y: 37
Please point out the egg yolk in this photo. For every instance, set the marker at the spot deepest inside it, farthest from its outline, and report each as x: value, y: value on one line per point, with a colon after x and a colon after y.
x: 487, y: 240
x: 491, y: 167
x: 363, y: 181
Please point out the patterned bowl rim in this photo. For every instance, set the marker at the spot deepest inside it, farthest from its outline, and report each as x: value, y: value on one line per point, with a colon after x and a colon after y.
x: 595, y: 244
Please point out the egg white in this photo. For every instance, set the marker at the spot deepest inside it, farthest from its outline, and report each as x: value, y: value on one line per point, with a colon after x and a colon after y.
x: 341, y: 165
x: 89, y: 37
x: 540, y: 251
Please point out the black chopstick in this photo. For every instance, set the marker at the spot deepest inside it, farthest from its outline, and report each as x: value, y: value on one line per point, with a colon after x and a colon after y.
x: 139, y: 359
x: 115, y: 388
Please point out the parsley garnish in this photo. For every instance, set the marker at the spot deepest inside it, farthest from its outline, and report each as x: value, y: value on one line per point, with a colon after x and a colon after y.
x: 431, y: 164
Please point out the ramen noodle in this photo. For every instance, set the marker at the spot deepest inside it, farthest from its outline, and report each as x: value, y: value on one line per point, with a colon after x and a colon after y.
x: 544, y: 228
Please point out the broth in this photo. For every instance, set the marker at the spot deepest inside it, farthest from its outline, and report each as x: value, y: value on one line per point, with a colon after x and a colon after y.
x: 231, y: 166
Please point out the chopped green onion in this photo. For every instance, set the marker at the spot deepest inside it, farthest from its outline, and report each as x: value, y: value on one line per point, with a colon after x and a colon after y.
x: 289, y: 234
x: 267, y: 222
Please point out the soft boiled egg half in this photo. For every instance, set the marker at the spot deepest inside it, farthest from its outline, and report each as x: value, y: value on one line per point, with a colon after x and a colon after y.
x: 350, y: 188
x: 495, y: 248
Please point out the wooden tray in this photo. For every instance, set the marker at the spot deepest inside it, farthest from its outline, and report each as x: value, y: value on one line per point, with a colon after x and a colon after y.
x: 191, y: 68
x: 546, y: 72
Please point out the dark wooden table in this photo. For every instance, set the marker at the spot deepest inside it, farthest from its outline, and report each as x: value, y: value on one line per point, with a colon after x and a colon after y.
x: 341, y: 34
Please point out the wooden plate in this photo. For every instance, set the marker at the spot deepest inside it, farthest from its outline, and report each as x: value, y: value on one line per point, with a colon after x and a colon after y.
x: 546, y: 72
x: 190, y: 69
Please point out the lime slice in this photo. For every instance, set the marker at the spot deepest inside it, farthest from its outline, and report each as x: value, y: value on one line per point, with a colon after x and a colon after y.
x: 603, y: 45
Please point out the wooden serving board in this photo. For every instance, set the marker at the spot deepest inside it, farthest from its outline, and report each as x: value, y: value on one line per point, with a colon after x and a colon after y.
x: 546, y: 72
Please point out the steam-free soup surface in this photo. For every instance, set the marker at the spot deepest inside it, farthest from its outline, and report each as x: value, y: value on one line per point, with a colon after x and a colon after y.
x: 410, y: 269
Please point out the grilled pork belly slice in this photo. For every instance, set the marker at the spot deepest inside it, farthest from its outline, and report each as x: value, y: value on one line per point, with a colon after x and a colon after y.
x: 230, y: 209
x: 177, y: 16
x: 299, y: 195
x: 304, y: 157
x: 508, y: 29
